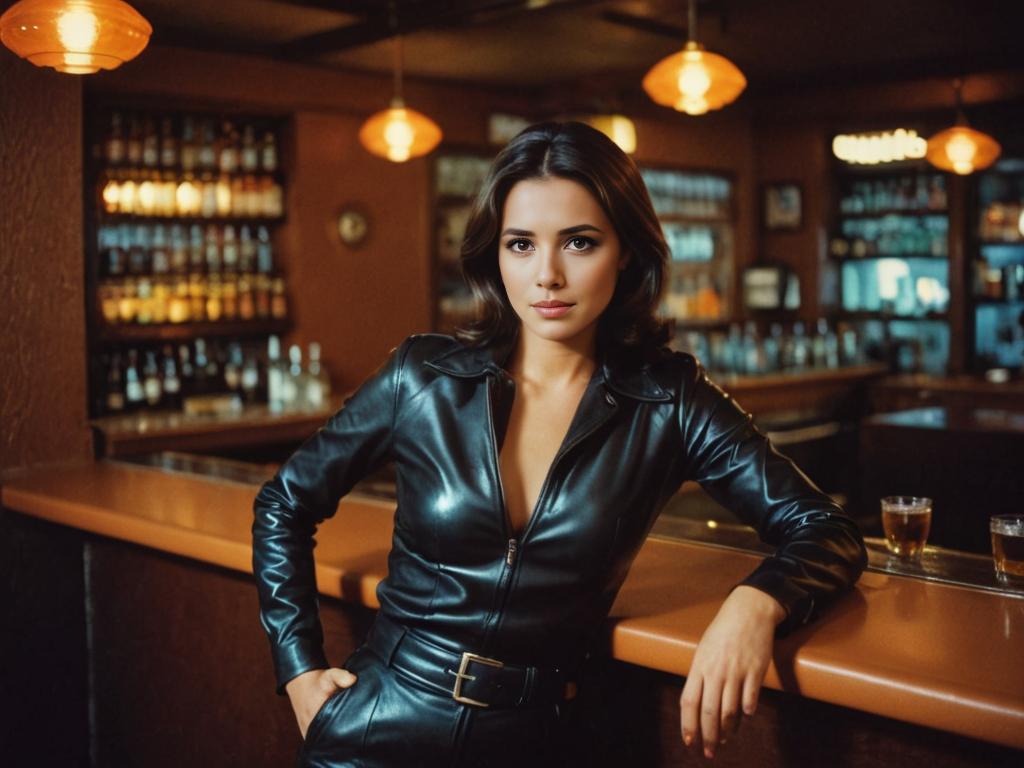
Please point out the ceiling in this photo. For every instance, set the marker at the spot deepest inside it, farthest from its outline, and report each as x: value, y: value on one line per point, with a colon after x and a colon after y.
x: 533, y: 43
x: 539, y: 42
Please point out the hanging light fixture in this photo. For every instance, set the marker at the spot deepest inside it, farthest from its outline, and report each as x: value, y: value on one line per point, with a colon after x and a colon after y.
x: 399, y: 133
x: 77, y: 37
x: 694, y: 80
x: 961, y: 149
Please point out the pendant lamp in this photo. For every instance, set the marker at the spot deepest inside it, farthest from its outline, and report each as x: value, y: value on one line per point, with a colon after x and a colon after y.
x: 961, y: 149
x: 694, y: 80
x: 77, y: 37
x: 399, y: 133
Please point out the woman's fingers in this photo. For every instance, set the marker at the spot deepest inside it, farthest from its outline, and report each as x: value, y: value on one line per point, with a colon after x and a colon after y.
x: 710, y: 712
x: 342, y: 678
x: 689, y: 707
x: 751, y: 688
x: 731, y: 693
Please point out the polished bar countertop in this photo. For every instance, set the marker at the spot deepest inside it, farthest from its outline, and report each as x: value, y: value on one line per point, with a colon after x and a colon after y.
x: 929, y: 653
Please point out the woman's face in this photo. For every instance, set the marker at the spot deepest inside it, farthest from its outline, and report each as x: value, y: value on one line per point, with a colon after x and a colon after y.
x: 557, y: 246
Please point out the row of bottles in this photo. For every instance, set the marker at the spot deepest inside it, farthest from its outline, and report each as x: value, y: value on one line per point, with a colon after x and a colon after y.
x: 745, y: 351
x: 911, y: 192
x: 166, y: 377
x: 674, y: 193
x: 164, y: 194
x: 140, y: 249
x: 192, y: 298
x: 690, y: 243
x: 189, y: 143
x: 892, y: 235
x: 693, y: 298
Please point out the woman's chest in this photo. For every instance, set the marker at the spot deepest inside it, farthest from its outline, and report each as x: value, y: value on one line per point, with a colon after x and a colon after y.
x: 609, y: 463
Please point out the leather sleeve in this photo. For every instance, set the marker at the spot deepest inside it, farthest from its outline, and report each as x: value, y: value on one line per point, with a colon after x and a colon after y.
x: 304, y: 491
x: 820, y: 551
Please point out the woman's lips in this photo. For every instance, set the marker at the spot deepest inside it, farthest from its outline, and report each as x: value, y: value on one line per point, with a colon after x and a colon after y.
x: 553, y: 311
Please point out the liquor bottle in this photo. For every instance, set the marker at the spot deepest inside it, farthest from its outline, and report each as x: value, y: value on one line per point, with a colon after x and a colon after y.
x: 204, y: 383
x: 115, y: 385
x: 151, y: 380
x: 230, y: 250
x: 150, y: 144
x: 233, y: 367
x: 753, y: 352
x: 207, y: 154
x: 295, y: 380
x: 773, y: 348
x: 227, y: 160
x: 133, y: 147
x: 133, y: 391
x: 249, y: 159
x: 318, y: 384
x: 160, y: 258
x: 278, y: 299
x: 264, y: 251
x: 186, y: 371
x: 189, y: 148
x: 114, y: 147
x: 268, y: 152
x: 801, y: 352
x: 250, y: 379
x: 246, y: 250
x: 212, y: 250
x: 171, y: 381
x: 275, y: 375
x: 168, y: 144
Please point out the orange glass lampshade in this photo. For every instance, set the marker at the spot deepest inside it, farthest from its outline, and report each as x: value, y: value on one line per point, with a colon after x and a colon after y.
x: 962, y: 150
x: 78, y: 37
x: 399, y: 133
x: 694, y: 80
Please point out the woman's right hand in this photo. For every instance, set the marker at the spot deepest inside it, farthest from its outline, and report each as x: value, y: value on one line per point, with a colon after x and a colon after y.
x: 309, y: 691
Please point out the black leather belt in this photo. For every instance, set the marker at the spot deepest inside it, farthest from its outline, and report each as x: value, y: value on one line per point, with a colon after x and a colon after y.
x: 467, y: 677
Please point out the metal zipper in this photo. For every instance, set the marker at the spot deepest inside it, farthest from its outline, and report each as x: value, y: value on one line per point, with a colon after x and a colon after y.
x: 494, y: 618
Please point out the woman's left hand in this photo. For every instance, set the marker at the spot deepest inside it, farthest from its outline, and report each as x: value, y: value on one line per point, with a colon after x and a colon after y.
x: 729, y: 666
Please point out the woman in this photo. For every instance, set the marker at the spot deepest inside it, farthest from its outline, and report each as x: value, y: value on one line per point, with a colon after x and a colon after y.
x: 533, y: 454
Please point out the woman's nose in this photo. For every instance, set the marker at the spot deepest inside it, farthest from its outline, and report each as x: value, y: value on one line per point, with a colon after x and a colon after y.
x: 549, y: 271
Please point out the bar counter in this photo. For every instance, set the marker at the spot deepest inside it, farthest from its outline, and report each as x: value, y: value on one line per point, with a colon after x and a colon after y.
x: 931, y: 654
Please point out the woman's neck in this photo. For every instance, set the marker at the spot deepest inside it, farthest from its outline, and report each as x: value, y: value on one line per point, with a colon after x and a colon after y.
x: 547, y: 363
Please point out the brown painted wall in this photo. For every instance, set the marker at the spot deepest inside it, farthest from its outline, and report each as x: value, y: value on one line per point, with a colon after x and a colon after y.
x: 42, y: 315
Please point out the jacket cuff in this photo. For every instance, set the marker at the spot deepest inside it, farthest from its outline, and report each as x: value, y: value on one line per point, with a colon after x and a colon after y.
x: 799, y: 605
x: 291, y: 662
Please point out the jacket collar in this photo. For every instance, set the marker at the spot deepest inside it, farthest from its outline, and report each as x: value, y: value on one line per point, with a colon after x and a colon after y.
x: 468, y: 362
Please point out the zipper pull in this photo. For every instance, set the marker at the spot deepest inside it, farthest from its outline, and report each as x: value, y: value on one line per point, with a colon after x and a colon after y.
x: 510, y: 554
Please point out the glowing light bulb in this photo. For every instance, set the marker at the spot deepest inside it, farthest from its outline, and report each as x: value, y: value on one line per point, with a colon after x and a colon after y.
x: 961, y: 151
x: 78, y: 30
x: 399, y: 136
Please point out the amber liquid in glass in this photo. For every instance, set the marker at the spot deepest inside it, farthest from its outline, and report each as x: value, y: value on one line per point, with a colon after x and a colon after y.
x: 1008, y: 553
x: 906, y: 531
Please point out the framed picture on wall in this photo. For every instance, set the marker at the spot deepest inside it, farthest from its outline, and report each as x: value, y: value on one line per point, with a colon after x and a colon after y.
x: 782, y: 206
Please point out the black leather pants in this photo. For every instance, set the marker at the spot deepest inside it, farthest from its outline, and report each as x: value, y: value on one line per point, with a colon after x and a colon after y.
x: 389, y: 719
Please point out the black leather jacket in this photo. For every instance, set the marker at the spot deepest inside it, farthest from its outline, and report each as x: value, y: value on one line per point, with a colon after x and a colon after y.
x: 438, y: 409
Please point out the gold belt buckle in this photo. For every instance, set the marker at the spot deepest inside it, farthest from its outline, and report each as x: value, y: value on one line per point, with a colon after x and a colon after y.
x: 461, y: 675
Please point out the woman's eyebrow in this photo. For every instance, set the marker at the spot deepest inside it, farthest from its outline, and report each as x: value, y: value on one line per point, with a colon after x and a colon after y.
x: 566, y: 231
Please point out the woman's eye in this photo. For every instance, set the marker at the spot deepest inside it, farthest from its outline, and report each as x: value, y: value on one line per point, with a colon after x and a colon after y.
x: 518, y: 246
x: 581, y: 243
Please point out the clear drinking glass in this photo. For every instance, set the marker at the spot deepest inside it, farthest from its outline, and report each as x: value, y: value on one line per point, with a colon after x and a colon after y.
x: 906, y: 521
x: 1008, y: 547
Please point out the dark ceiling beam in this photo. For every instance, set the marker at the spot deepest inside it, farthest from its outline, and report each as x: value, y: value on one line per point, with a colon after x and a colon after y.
x: 351, y: 7
x: 410, y: 17
x: 645, y: 24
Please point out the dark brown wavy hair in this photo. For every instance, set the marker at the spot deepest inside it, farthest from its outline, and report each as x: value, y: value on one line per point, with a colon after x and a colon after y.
x: 574, y: 151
